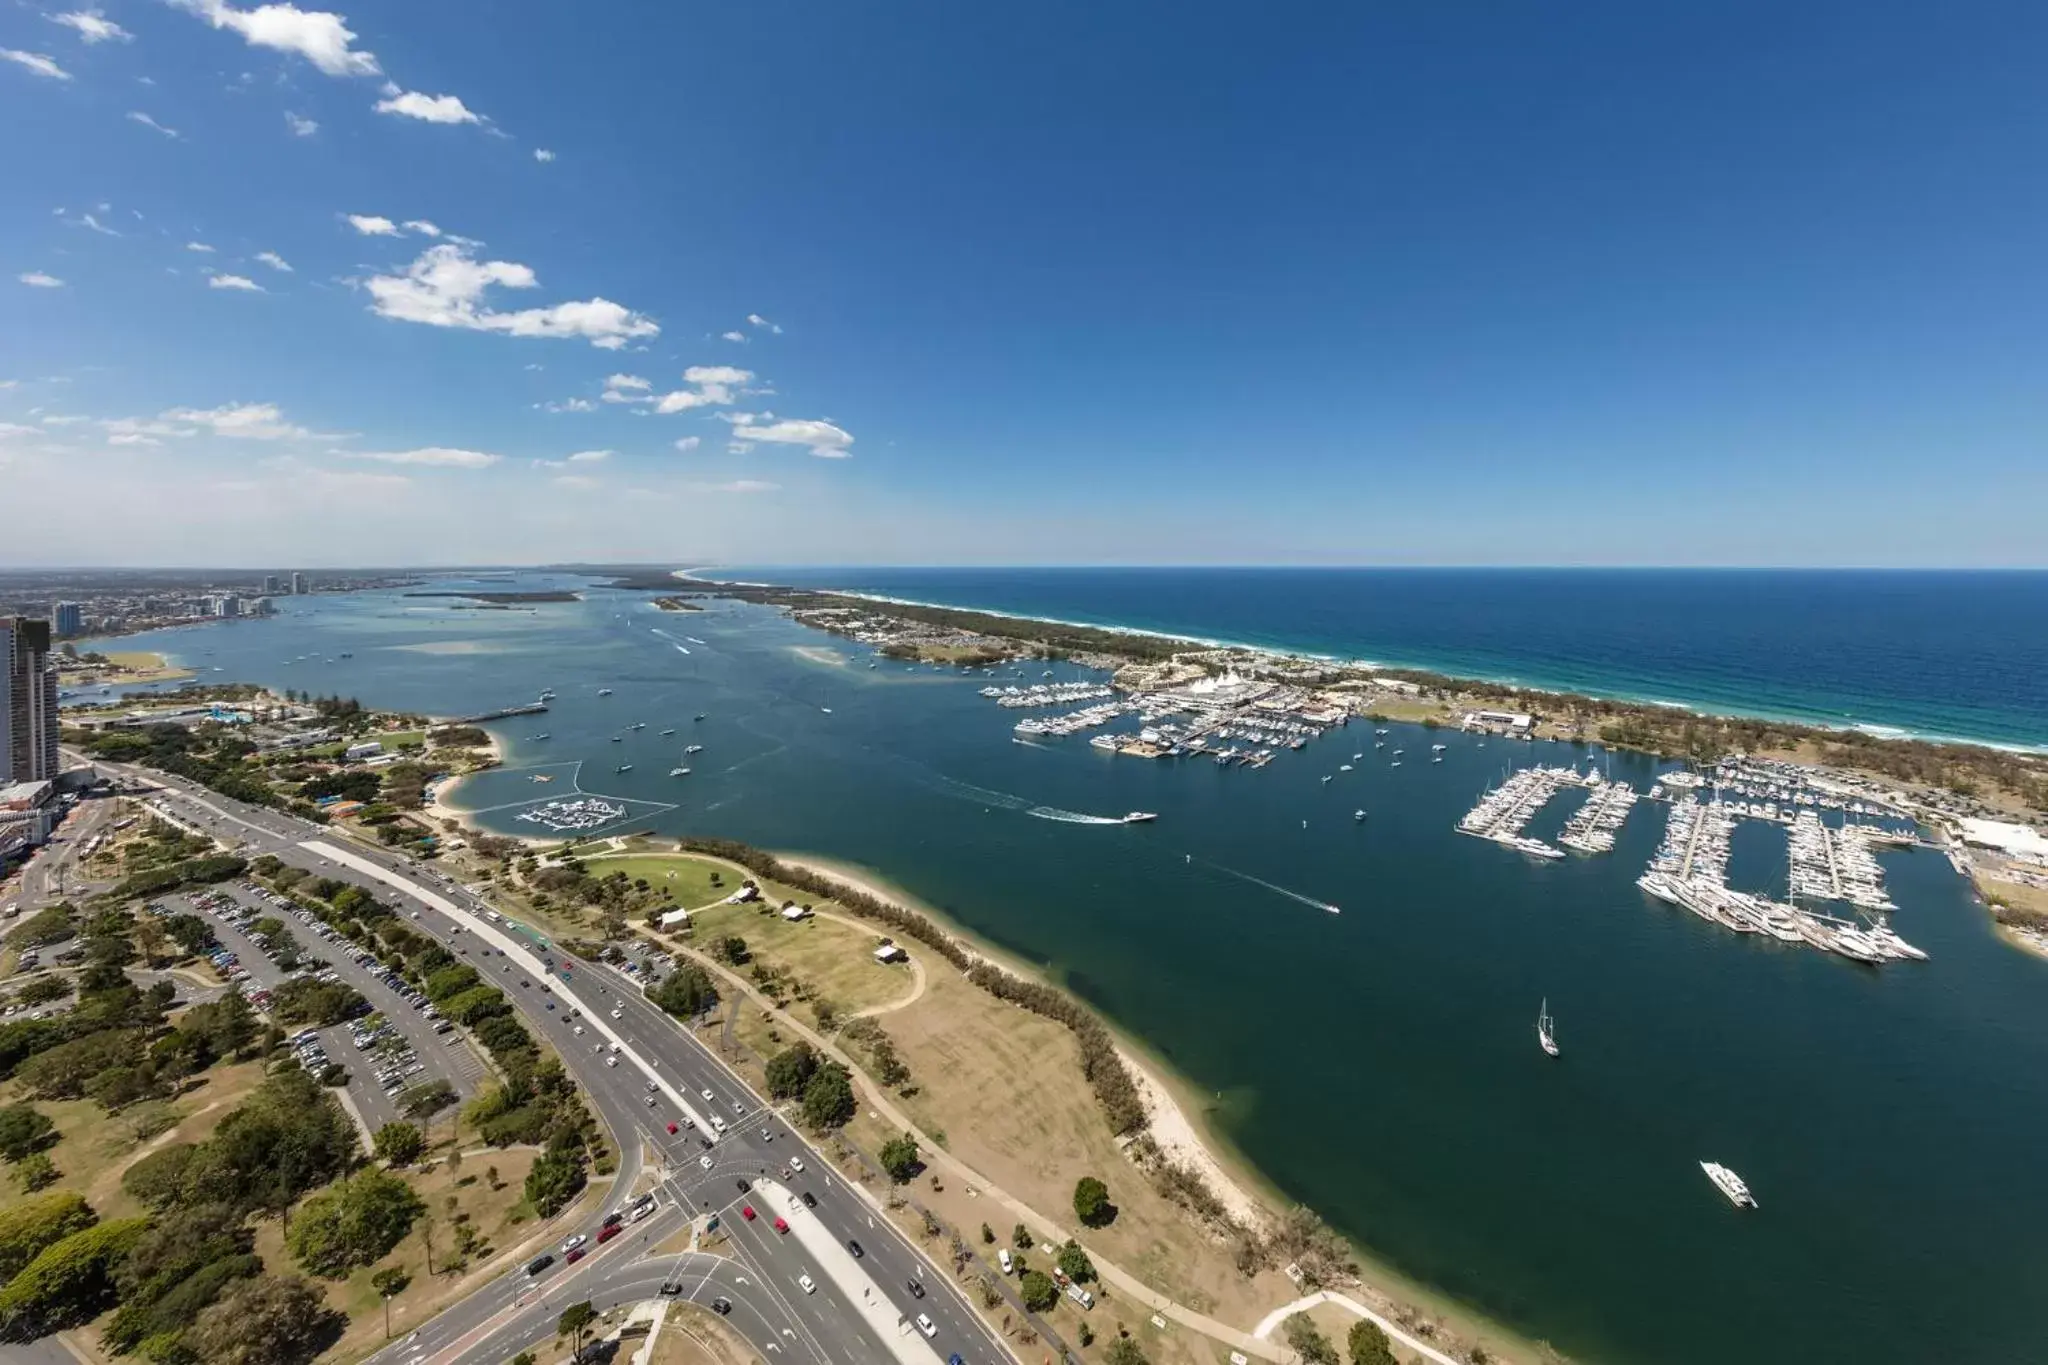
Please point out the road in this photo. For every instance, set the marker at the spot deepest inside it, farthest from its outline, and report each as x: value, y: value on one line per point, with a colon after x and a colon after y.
x: 48, y: 876
x: 861, y: 1308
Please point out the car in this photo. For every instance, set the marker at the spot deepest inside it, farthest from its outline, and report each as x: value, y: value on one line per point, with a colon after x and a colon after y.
x: 706, y: 1093
x: 598, y: 1048
x: 672, y: 1129
x: 747, y: 1212
x: 925, y: 1325
x: 574, y: 1256
x: 718, y: 1123
x: 739, y: 1109
x: 767, y: 1135
x: 796, y: 1163
x: 607, y: 1232
x: 653, y: 1086
x: 705, y: 1162
x: 916, y: 1289
x: 618, y: 1011
x: 614, y: 1218
x: 805, y: 1283
x: 744, y: 1184
x: 579, y: 1030
x: 539, y: 1263
x: 1004, y: 1259
x: 551, y: 1004
x: 781, y: 1226
x: 571, y: 1243
x: 721, y: 1305
x: 613, y: 1061
x: 810, y: 1200
x: 855, y: 1248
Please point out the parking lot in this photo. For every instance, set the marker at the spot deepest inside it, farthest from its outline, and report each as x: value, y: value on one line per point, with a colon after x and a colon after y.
x: 394, y: 1044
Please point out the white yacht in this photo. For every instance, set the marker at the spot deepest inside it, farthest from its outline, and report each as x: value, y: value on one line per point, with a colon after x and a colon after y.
x: 623, y: 768
x: 1358, y: 814
x: 604, y: 691
x: 678, y: 772
x: 666, y: 733
x: 1544, y: 1036
x: 1730, y: 1184
x: 1140, y: 817
x: 693, y: 749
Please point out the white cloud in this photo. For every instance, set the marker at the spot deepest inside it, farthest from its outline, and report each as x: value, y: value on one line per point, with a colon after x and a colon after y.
x: 241, y: 282
x: 148, y: 122
x: 372, y: 226
x: 132, y: 438
x: 572, y: 405
x: 274, y: 261
x: 300, y: 125
x: 427, y: 108
x: 714, y: 386
x: 732, y: 336
x: 738, y: 447
x: 760, y: 321
x: 543, y: 154
x: 747, y: 486
x: 36, y: 279
x: 441, y: 456
x: 92, y: 26
x: 242, y: 421
x: 581, y: 483
x: 36, y: 62
x: 689, y: 442
x: 87, y: 220
x: 826, y: 441
x: 321, y: 38
x: 626, y: 388
x: 589, y: 456
x: 422, y: 227
x: 198, y: 246
x: 445, y: 287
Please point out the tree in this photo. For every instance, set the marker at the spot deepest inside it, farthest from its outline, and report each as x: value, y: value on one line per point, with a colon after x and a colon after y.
x: 790, y: 1070
x: 424, y: 1101
x: 1038, y: 1291
x: 1124, y: 1351
x: 35, y: 1223
x: 36, y: 1171
x: 158, y: 1179
x: 988, y: 1235
x: 732, y: 950
x: 1369, y: 1345
x: 1091, y: 1203
x: 400, y: 1143
x: 389, y: 1283
x: 553, y: 1181
x: 574, y: 1320
x: 1020, y: 1237
x: 43, y: 990
x: 685, y: 991
x: 355, y: 1223
x: 24, y: 1130
x: 267, y: 1320
x: 69, y: 1282
x: 1074, y: 1263
x: 899, y: 1158
x: 828, y: 1097
x: 1308, y: 1340
x: 523, y: 1358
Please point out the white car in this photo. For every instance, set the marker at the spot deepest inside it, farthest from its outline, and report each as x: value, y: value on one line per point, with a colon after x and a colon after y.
x: 612, y: 1061
x: 618, y: 1011
x: 924, y: 1325
x: 705, y: 1162
x: 579, y: 1030
x: 796, y: 1163
x: 569, y: 1244
x: 705, y: 1093
x: 806, y: 1284
x: 718, y: 1123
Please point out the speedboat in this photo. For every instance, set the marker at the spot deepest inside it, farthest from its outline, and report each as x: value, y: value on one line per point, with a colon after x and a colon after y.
x: 666, y: 733
x: 678, y: 772
x: 694, y: 749
x: 1730, y: 1184
x: 623, y: 768
x: 1358, y: 814
x: 1343, y: 767
x: 1140, y: 817
x: 604, y: 691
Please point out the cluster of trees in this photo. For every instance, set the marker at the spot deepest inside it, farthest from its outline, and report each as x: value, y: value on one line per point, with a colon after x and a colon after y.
x: 883, y: 1061
x: 825, y: 1086
x: 1367, y: 1344
x: 354, y: 1222
x: 1115, y: 1090
x: 1091, y: 1203
x: 218, y: 867
x: 458, y: 737
x: 1048, y: 638
x: 685, y: 992
x: 319, y: 1003
x: 212, y: 755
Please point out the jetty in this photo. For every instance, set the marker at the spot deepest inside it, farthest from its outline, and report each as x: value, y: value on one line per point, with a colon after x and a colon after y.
x: 532, y: 708
x: 1593, y: 825
x: 1504, y: 810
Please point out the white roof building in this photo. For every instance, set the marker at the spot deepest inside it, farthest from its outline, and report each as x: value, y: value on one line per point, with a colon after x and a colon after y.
x: 2020, y: 840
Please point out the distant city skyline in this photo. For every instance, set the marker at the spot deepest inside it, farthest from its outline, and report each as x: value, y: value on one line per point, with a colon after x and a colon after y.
x: 1083, y: 284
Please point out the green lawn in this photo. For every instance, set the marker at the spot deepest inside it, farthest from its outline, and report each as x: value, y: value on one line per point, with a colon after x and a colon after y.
x: 689, y: 879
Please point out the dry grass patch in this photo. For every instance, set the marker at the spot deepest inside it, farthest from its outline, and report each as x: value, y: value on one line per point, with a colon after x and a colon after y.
x: 691, y: 1335
x: 834, y: 959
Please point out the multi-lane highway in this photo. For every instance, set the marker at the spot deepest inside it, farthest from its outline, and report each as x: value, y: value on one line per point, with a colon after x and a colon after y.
x: 871, y: 1295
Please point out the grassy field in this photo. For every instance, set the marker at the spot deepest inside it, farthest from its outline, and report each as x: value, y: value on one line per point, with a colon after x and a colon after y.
x: 834, y: 959
x: 691, y: 1335
x: 93, y: 1149
x: 687, y: 879
x: 394, y: 740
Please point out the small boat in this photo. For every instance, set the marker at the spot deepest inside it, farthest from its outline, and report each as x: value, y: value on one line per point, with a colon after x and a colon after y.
x: 1356, y: 757
x: 604, y: 691
x: 666, y: 733
x: 1343, y: 767
x: 1544, y: 1036
x: 1140, y: 817
x: 678, y: 772
x: 694, y: 749
x: 698, y: 716
x: 638, y: 725
x: 826, y: 709
x: 1358, y: 814
x: 617, y: 738
x: 542, y: 735
x: 1730, y: 1184
x: 1333, y: 909
x: 1328, y: 776
x: 623, y: 768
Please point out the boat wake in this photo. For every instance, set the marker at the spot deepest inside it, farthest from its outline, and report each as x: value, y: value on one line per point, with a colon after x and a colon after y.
x: 680, y: 648
x: 967, y: 791
x: 1274, y: 887
x: 1072, y: 817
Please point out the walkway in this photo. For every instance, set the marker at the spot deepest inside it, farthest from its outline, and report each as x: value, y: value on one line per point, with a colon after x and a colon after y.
x: 1345, y: 1301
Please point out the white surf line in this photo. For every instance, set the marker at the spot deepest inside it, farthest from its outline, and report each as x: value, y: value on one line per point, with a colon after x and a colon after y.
x: 483, y: 929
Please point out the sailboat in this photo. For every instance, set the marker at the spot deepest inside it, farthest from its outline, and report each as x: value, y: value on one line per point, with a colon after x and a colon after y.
x: 1543, y: 1027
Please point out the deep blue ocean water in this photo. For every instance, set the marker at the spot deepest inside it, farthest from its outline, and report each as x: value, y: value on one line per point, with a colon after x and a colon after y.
x: 1941, y: 654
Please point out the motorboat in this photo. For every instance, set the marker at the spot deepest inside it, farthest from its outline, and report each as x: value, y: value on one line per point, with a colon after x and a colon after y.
x: 1730, y: 1184
x: 1140, y: 817
x: 1358, y: 814
x: 678, y: 772
x: 1545, y: 1037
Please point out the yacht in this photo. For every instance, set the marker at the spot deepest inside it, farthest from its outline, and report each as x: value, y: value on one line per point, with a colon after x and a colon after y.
x: 638, y: 725
x: 1343, y: 767
x: 1140, y: 817
x: 1730, y: 1184
x: 666, y: 733
x: 542, y: 735
x: 693, y: 749
x: 698, y: 716
x: 1544, y: 1037
x: 678, y: 772
x: 623, y: 768
x: 604, y: 691
x: 1358, y: 814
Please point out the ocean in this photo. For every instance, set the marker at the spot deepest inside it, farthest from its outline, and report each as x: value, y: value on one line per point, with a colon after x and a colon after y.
x: 1960, y: 655
x: 1379, y: 1065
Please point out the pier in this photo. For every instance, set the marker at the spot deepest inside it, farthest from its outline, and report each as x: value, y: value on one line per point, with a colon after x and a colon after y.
x: 1593, y: 826
x: 1503, y: 811
x: 532, y: 708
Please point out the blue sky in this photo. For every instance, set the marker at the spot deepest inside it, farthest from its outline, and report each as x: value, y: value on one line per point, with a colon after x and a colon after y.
x: 1368, y: 283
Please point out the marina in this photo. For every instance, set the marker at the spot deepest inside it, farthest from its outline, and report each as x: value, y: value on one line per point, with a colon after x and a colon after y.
x: 574, y: 815
x: 1593, y: 825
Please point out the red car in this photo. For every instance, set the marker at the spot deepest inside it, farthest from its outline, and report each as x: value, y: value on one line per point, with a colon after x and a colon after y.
x: 671, y: 1127
x: 574, y: 1256
x: 781, y: 1226
x: 747, y: 1212
x: 606, y: 1234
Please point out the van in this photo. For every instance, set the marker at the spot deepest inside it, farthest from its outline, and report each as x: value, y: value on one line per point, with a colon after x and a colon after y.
x: 1080, y: 1296
x: 1003, y: 1259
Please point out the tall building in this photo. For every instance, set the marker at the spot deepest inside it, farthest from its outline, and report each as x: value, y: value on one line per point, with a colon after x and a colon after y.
x: 270, y: 585
x: 298, y: 584
x: 28, y: 701
x: 70, y: 619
